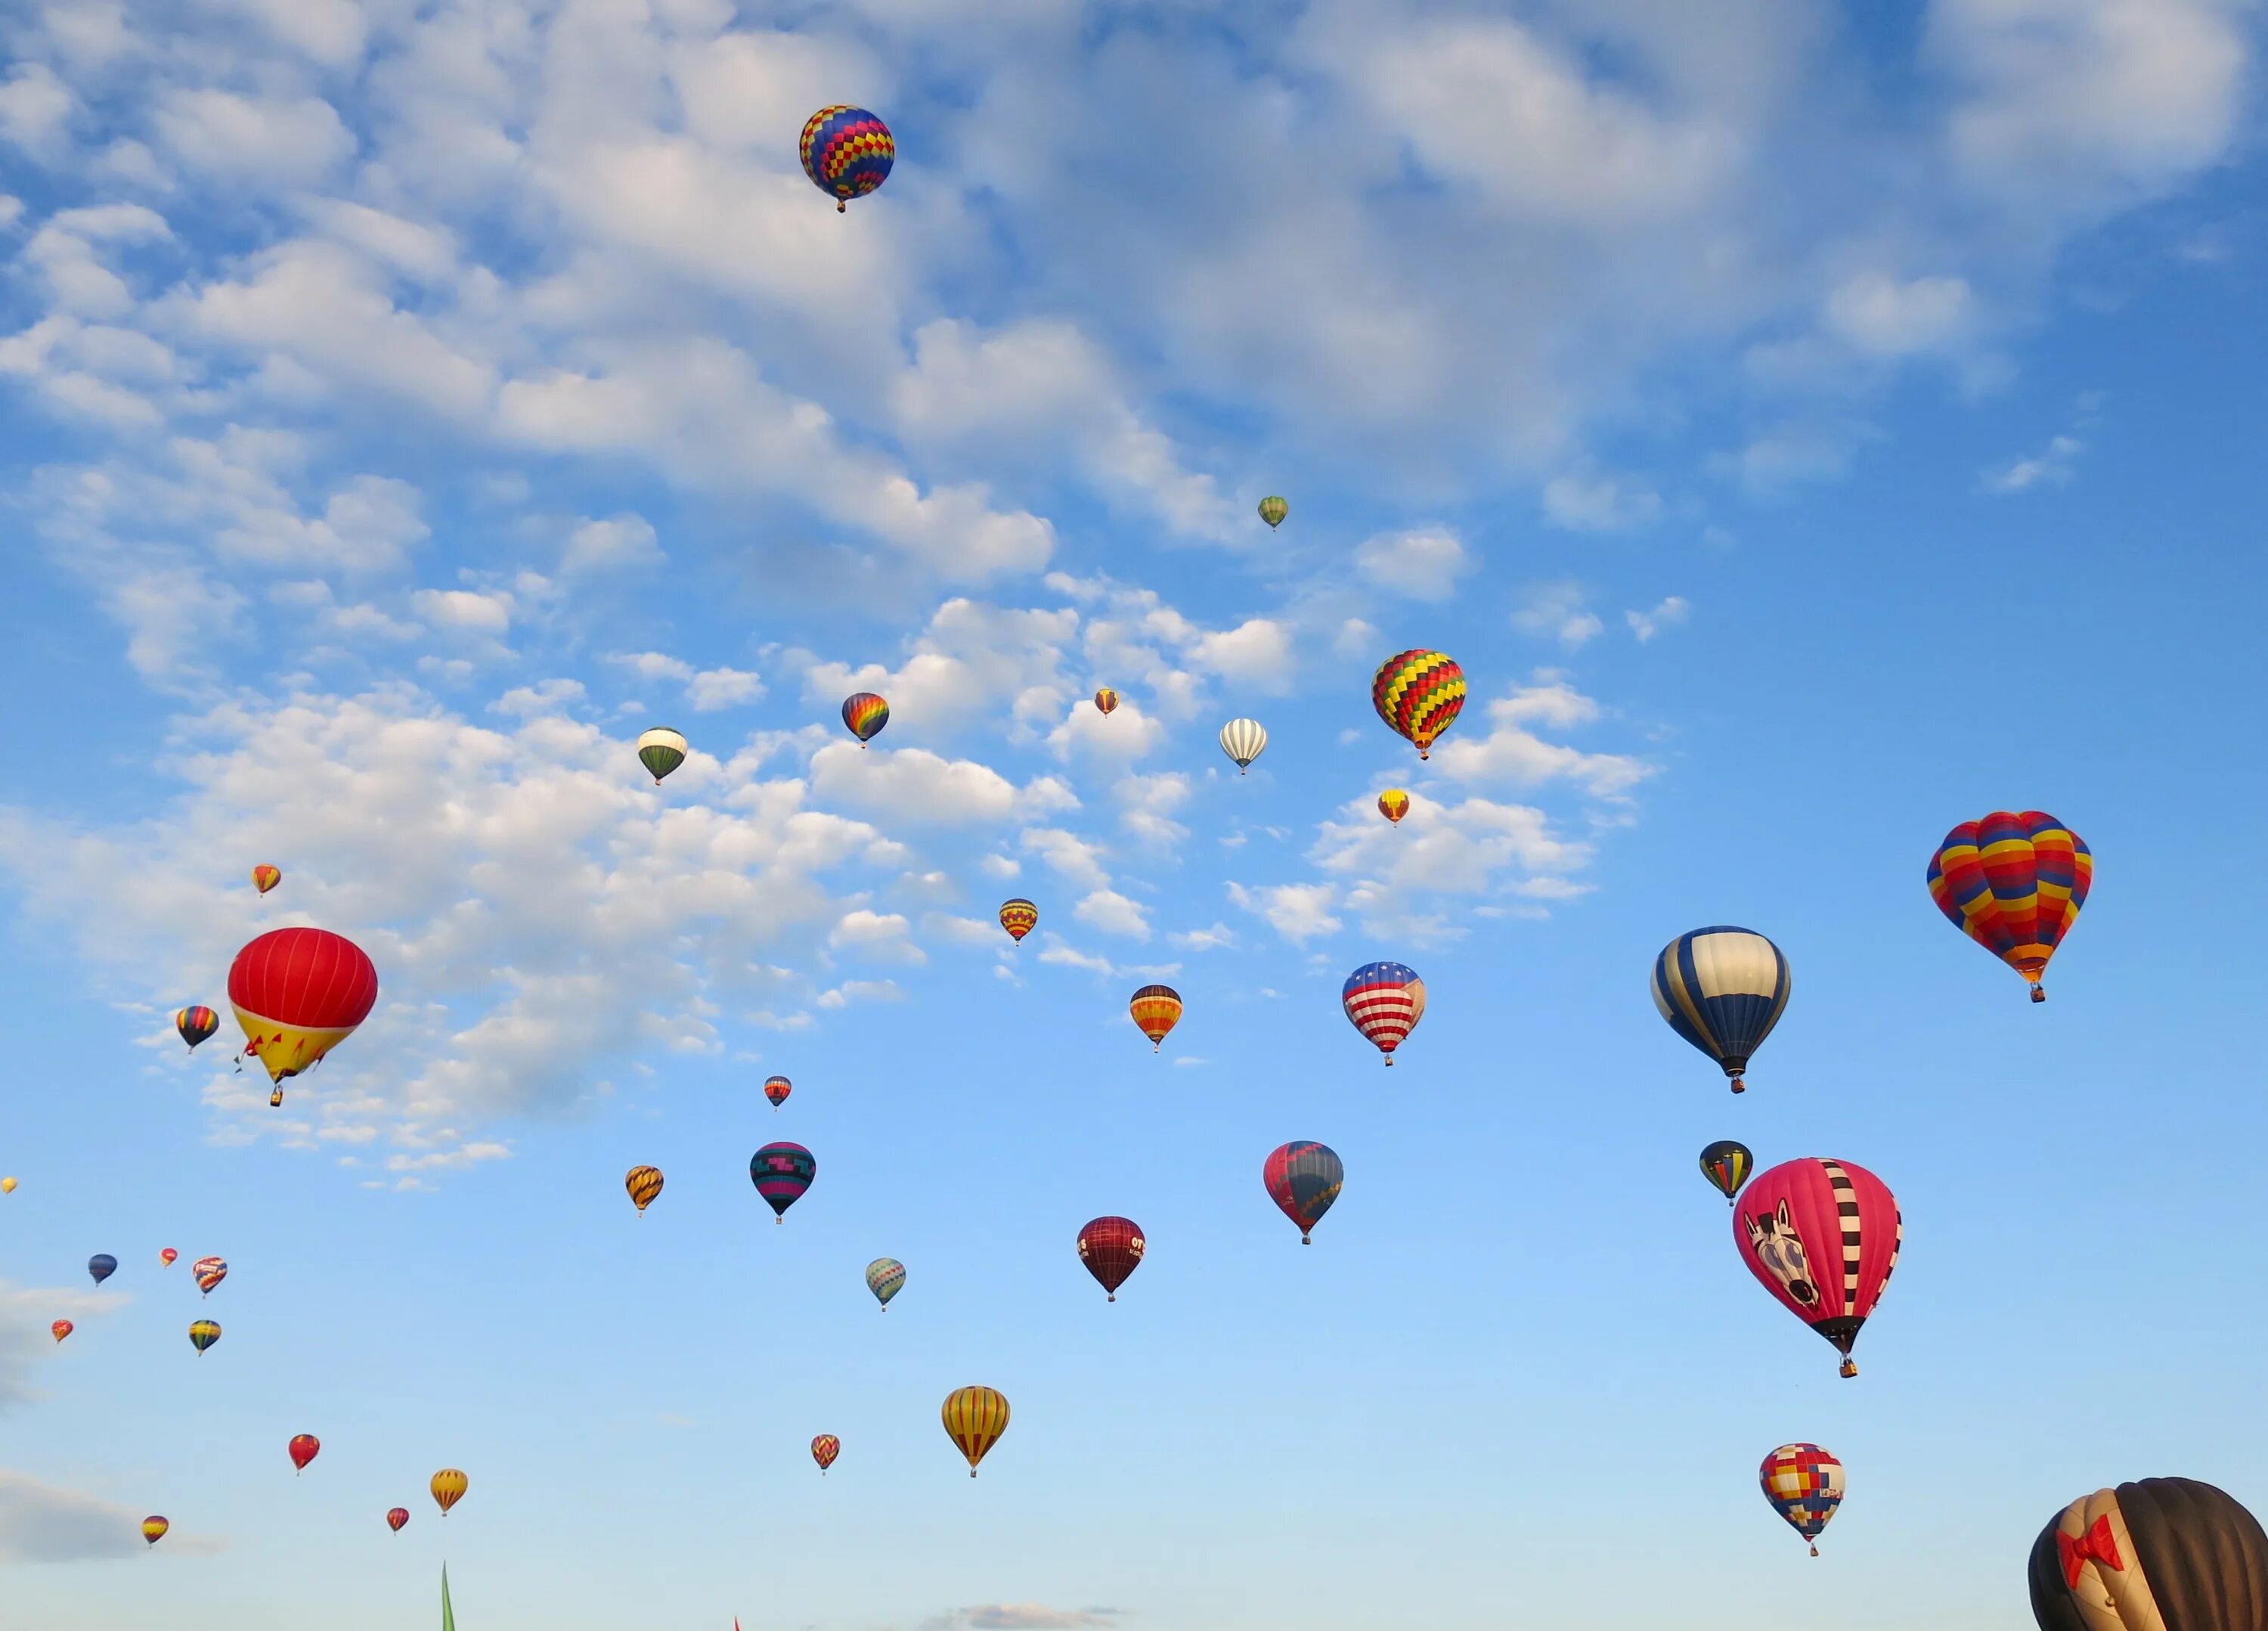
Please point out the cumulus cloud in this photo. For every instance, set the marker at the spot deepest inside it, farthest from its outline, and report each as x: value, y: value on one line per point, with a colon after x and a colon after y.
x: 1555, y: 610
x: 1669, y: 612
x: 915, y: 785
x: 1424, y: 564
x: 1587, y: 501
x: 1113, y: 913
x: 1298, y: 911
x: 713, y: 689
x: 617, y: 541
x: 1510, y: 753
x: 45, y: 1523
x: 2052, y: 466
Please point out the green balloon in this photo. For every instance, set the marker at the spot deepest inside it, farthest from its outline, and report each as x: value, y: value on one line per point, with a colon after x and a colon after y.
x: 661, y: 750
x: 1273, y: 510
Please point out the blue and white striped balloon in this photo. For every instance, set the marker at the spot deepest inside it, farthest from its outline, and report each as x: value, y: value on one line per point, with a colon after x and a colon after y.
x: 1722, y: 989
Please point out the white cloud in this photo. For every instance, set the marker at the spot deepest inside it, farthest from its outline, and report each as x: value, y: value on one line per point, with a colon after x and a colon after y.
x: 466, y: 611
x: 713, y: 689
x: 1113, y: 913
x: 25, y: 1314
x: 1219, y: 937
x: 1068, y: 856
x: 880, y: 936
x: 1147, y: 804
x: 619, y: 541
x: 1882, y: 316
x: 289, y: 143
x: 861, y: 990
x: 1466, y: 847
x: 1587, y: 501
x: 1510, y: 753
x: 652, y: 666
x: 2052, y: 466
x: 1298, y: 911
x: 1671, y: 611
x: 1424, y: 564
x: 1257, y: 652
x: 1557, y: 611
x: 35, y: 109
x: 915, y: 785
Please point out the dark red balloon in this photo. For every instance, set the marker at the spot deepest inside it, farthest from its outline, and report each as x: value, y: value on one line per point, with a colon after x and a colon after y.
x: 1112, y: 1249
x: 303, y: 1449
x: 396, y: 1517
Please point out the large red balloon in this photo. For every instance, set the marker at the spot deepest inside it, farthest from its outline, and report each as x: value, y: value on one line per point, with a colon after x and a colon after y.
x: 1822, y: 1236
x: 1112, y: 1249
x: 299, y: 993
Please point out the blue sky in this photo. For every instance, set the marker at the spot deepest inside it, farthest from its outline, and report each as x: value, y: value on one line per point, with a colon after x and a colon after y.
x: 1807, y: 434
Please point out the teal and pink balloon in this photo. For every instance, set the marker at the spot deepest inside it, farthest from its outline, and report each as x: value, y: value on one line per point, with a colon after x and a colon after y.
x: 102, y: 1266
x: 781, y: 1173
x: 886, y: 1277
x: 1726, y: 1164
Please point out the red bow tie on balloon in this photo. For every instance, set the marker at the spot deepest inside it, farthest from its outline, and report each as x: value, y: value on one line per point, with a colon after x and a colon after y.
x: 2095, y: 1545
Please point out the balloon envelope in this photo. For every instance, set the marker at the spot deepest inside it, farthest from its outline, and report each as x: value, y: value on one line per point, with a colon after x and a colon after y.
x: 1244, y: 740
x: 304, y: 1448
x: 1822, y: 1236
x: 1106, y: 700
x: 1722, y: 989
x: 1112, y: 1248
x: 265, y: 878
x: 395, y: 1517
x: 168, y: 1257
x: 886, y: 1277
x: 1384, y: 1000
x: 1273, y: 510
x: 101, y: 1266
x: 2156, y: 1554
x: 299, y: 993
x: 777, y: 1088
x: 202, y: 1334
x: 660, y: 751
x: 1804, y: 1484
x: 1726, y: 1164
x: 644, y: 1184
x: 975, y: 1418
x: 210, y: 1273
x: 846, y: 151
x: 448, y: 1487
x: 154, y: 1528
x: 782, y: 1173
x: 1393, y: 804
x: 1419, y: 695
x: 196, y: 1025
x: 1019, y: 917
x: 824, y: 1448
x: 61, y: 1329
x: 863, y: 715
x: 1156, y: 1009
x: 2014, y: 883
x: 1303, y: 1180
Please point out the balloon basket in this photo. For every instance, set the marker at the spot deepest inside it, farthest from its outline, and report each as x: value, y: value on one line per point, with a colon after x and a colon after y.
x: 2039, y: 993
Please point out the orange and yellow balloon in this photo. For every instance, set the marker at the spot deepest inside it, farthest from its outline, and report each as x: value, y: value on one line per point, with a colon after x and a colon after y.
x: 448, y: 1488
x: 61, y: 1329
x: 1393, y: 804
x: 975, y: 1418
x: 644, y: 1184
x: 1156, y: 1009
x: 1019, y: 917
x: 154, y: 1528
x: 266, y: 878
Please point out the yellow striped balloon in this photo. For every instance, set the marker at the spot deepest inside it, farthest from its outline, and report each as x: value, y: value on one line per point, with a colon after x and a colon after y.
x: 1157, y: 1009
x: 1019, y: 917
x: 154, y: 1528
x: 975, y: 1418
x: 265, y: 878
x: 448, y: 1488
x: 644, y: 1184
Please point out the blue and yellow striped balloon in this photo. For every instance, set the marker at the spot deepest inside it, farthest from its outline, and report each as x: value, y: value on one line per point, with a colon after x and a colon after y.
x: 1722, y: 989
x: 847, y: 153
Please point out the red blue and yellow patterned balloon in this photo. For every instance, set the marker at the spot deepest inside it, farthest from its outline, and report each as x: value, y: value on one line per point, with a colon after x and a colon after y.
x: 847, y: 153
x: 1419, y: 693
x: 1804, y: 1484
x: 2014, y: 883
x: 863, y: 715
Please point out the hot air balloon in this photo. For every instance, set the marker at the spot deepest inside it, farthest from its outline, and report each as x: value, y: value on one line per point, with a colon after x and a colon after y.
x: 168, y: 1257
x: 448, y: 1487
x: 299, y: 993
x: 196, y: 1025
x: 1822, y: 1236
x: 61, y: 1328
x: 1156, y: 1009
x: 202, y: 1334
x: 1303, y: 1180
x: 1726, y: 1164
x: 7, y: 1186
x: 2157, y: 1554
x: 1106, y: 701
x: 1112, y: 1248
x: 777, y: 1088
x: 210, y: 1273
x: 1385, y: 1000
x: 975, y: 1418
x: 1804, y: 1484
x: 265, y: 878
x: 102, y: 1266
x: 2014, y: 883
x: 1722, y: 989
x: 1244, y: 740
x: 1019, y: 917
x: 644, y: 1184
x: 781, y: 1173
x: 660, y: 751
x: 865, y: 714
x: 847, y: 153
x: 886, y: 1277
x: 824, y: 1448
x: 396, y: 1517
x: 1419, y: 694
x: 1273, y: 510
x: 154, y: 1528
x: 1393, y: 804
x: 304, y: 1448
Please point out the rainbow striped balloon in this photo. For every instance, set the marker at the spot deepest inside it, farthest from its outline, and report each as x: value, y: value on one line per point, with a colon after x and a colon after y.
x: 1419, y: 693
x: 197, y: 1024
x: 847, y: 153
x: 2014, y: 883
x: 863, y: 715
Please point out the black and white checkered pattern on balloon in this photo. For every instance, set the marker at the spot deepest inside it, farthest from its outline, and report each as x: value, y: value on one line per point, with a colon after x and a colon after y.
x: 1846, y: 1206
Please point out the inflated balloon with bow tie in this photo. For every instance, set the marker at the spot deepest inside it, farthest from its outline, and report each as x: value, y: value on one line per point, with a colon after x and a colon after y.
x: 2158, y: 1554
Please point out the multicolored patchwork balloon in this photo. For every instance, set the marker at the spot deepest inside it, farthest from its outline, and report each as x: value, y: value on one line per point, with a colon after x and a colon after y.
x: 781, y: 1173
x: 197, y: 1024
x: 168, y: 1257
x: 1156, y: 1009
x: 1419, y: 695
x: 154, y: 1528
x: 1804, y: 1484
x: 2014, y: 883
x: 1722, y: 989
x: 1303, y: 1180
x: 847, y: 153
x: 1385, y: 1000
x: 1822, y: 1236
x: 863, y: 715
x: 886, y: 1277
x: 1726, y: 1164
x: 975, y: 1418
x: 1019, y: 917
x: 1112, y: 1248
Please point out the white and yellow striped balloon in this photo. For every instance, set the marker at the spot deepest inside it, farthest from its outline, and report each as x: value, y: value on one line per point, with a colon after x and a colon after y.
x: 1244, y: 740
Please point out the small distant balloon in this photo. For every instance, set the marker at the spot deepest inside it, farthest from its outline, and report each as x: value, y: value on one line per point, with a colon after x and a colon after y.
x: 1019, y: 917
x: 154, y: 1528
x: 1106, y: 701
x: 846, y: 151
x: 448, y: 1488
x: 1804, y: 1484
x: 975, y: 1418
x: 101, y: 1266
x: 824, y: 1448
x: 210, y: 1273
x: 197, y: 1024
x: 1112, y: 1248
x: 1393, y: 804
x: 168, y: 1257
x: 7, y: 1186
x: 660, y: 751
x: 1726, y: 1164
x: 644, y: 1184
x: 1244, y: 740
x: 202, y: 1334
x: 777, y: 1088
x: 1385, y: 1000
x: 863, y: 715
x: 266, y: 878
x: 61, y: 1328
x: 304, y: 1448
x: 782, y: 1173
x: 1303, y: 1178
x: 886, y: 1277
x: 396, y: 1517
x: 1156, y: 1009
x: 1273, y: 510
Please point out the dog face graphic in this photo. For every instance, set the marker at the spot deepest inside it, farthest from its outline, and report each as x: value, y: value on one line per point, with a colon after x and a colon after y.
x: 1773, y: 1237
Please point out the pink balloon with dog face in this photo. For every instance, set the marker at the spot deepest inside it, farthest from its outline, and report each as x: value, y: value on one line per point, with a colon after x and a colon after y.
x: 1821, y: 1235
